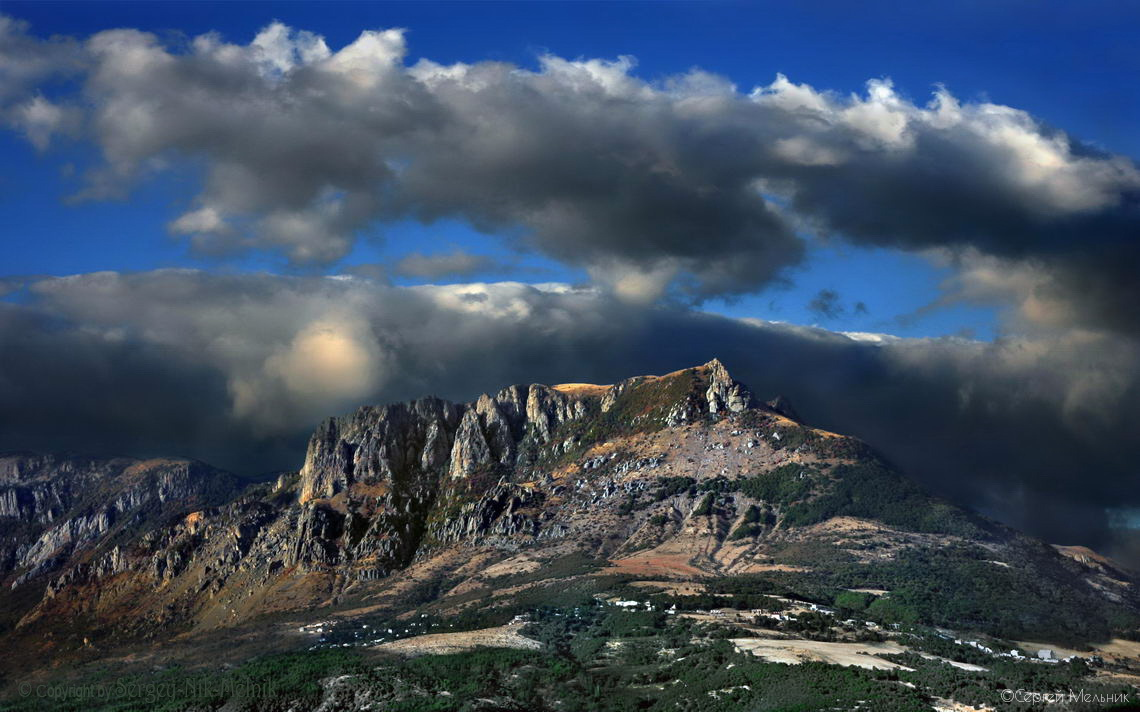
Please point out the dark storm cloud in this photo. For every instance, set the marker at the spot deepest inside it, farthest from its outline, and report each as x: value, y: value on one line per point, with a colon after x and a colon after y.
x: 67, y: 388
x: 686, y: 184
x: 305, y: 147
x: 238, y: 368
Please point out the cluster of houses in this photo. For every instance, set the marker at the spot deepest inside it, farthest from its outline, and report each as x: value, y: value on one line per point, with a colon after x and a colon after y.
x: 333, y: 633
x: 631, y: 605
x: 1043, y: 655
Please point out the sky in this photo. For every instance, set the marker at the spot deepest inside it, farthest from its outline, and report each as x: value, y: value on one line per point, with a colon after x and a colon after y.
x: 1066, y: 65
x: 222, y: 222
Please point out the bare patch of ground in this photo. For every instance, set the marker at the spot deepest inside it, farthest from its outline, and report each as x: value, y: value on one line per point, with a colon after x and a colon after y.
x: 796, y: 651
x: 1121, y: 648
x: 654, y: 564
x: 941, y: 704
x: 851, y: 525
x: 1031, y: 649
x: 581, y: 389
x: 676, y: 588
x: 504, y: 636
x: 954, y: 663
x: 520, y: 564
x: 756, y: 568
x: 869, y: 540
x: 1086, y: 556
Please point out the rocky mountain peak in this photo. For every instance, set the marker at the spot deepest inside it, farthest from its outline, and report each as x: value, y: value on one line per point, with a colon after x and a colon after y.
x: 430, y: 438
x: 723, y: 392
x: 371, y: 477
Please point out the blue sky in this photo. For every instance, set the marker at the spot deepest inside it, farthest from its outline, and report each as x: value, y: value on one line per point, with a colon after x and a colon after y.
x: 1073, y: 66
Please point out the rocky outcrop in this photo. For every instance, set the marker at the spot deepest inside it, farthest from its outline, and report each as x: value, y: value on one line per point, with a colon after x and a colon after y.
x: 416, y: 439
x: 547, y: 409
x: 505, y: 510
x: 372, y: 481
x: 378, y: 444
x: 724, y: 394
x: 471, y: 450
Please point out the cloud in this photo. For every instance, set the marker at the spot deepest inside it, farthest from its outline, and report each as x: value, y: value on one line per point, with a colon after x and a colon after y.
x: 457, y: 263
x: 826, y: 304
x: 329, y: 361
x: 237, y: 369
x: 40, y: 120
x: 27, y: 61
x: 685, y: 186
x: 64, y: 387
x: 26, y: 65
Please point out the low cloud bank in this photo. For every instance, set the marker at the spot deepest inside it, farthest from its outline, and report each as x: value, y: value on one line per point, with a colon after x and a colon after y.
x: 237, y: 369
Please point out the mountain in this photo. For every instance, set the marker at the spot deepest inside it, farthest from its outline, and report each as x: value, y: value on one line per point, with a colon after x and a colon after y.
x: 683, y: 487
x: 68, y: 518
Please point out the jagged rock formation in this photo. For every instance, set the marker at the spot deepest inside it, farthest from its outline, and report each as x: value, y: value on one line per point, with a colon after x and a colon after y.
x: 386, y: 444
x: 370, y: 478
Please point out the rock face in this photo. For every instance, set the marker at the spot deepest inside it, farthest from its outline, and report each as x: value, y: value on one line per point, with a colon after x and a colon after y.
x: 372, y: 480
x: 423, y: 438
x: 723, y: 393
x: 392, y: 443
x: 407, y: 447
x: 59, y: 511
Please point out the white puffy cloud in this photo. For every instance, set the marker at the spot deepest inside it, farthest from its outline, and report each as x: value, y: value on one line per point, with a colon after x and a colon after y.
x: 40, y: 119
x: 27, y: 64
x: 280, y: 48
